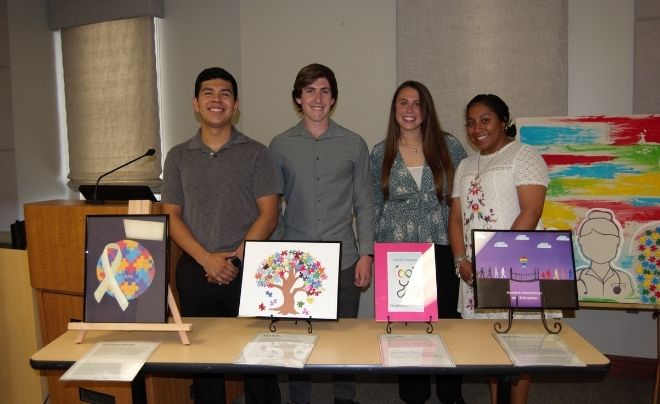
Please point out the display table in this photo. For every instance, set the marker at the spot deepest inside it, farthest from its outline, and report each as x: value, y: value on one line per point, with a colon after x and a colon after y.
x: 344, y: 346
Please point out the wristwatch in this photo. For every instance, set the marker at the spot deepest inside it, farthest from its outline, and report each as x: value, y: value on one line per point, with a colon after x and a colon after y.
x: 235, y: 261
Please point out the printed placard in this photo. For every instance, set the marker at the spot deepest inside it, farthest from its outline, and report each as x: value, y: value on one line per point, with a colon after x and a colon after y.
x: 405, y: 288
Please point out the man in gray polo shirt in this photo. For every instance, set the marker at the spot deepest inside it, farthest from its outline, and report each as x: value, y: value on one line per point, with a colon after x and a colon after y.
x: 219, y: 187
x: 325, y: 171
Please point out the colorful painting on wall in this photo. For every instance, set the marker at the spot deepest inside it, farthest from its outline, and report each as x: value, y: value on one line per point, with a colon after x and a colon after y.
x: 605, y: 187
x: 290, y: 279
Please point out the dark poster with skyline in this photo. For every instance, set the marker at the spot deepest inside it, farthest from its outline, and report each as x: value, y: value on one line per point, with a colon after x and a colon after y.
x: 524, y: 269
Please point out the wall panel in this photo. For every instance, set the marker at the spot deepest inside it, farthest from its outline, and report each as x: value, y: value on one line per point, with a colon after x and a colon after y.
x: 646, y: 87
x: 516, y: 49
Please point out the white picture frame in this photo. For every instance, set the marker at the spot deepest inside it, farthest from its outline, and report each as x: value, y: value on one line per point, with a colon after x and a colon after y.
x: 290, y: 279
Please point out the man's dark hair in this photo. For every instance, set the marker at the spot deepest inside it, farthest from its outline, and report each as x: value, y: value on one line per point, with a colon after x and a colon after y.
x: 309, y: 74
x: 215, y: 73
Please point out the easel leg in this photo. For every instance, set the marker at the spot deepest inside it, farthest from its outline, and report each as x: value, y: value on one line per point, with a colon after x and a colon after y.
x: 656, y: 384
x: 176, y: 315
x: 80, y: 336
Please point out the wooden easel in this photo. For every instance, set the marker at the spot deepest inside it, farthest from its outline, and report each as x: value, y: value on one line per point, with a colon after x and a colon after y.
x: 139, y: 208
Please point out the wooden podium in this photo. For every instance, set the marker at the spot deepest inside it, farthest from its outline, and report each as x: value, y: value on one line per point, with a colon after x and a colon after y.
x: 56, y: 247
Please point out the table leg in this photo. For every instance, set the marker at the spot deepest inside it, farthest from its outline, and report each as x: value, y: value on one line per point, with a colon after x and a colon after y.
x: 504, y: 389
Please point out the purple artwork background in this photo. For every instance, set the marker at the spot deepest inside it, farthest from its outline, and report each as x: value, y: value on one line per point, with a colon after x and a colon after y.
x: 544, y: 276
x: 560, y: 256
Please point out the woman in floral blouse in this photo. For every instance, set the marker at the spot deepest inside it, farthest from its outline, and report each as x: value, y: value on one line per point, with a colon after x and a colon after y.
x: 413, y: 171
x: 501, y: 187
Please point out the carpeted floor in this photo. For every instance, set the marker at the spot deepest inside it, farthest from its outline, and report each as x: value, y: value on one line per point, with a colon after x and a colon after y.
x: 556, y: 389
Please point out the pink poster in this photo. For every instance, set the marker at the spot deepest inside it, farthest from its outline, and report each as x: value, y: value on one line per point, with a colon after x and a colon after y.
x: 405, y: 282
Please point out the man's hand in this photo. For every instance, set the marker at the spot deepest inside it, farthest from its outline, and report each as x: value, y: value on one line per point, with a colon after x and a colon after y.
x: 219, y: 269
x: 363, y: 271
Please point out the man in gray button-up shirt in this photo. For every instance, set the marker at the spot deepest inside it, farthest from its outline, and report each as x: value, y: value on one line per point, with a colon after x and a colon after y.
x: 327, y: 183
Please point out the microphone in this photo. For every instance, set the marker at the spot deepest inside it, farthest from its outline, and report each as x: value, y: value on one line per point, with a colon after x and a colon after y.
x: 149, y: 152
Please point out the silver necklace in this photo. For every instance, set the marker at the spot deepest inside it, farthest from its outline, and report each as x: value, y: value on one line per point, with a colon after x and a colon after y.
x: 494, y: 154
x: 487, y: 164
x: 414, y: 149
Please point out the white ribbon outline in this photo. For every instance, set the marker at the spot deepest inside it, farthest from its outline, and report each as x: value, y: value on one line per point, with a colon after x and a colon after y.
x: 109, y: 282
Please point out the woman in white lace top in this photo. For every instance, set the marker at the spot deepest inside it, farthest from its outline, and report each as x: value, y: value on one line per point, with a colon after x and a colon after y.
x: 501, y: 187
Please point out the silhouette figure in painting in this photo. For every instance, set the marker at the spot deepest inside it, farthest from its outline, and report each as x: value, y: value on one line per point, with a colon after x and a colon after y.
x: 599, y: 239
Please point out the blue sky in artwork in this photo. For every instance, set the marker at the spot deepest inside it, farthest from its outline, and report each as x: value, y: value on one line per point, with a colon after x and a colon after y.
x: 556, y: 135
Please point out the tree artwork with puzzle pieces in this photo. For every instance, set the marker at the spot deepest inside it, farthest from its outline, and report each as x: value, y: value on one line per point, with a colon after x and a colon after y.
x: 297, y: 275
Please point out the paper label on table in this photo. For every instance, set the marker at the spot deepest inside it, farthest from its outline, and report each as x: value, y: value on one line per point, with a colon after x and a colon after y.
x: 426, y: 350
x: 278, y: 349
x: 112, y: 361
x: 537, y: 350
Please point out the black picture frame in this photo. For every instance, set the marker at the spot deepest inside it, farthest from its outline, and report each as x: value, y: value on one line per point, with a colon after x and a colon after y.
x: 524, y: 270
x: 135, y: 249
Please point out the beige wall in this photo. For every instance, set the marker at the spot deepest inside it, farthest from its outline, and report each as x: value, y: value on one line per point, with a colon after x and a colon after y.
x: 354, y: 38
x: 647, y: 57
x: 264, y: 44
x: 34, y: 103
x: 190, y: 40
x: 513, y: 48
x: 600, y: 54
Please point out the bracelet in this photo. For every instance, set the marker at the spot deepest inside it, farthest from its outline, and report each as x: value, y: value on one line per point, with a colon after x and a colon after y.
x: 457, y: 264
x: 461, y: 258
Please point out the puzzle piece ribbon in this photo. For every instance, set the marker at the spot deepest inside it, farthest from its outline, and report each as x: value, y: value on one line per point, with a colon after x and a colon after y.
x: 109, y: 282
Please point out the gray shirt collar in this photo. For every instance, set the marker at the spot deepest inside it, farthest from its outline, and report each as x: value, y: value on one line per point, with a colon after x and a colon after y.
x: 301, y: 131
x: 196, y: 142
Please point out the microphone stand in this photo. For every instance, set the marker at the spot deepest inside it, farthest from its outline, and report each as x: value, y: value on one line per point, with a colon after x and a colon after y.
x: 149, y: 152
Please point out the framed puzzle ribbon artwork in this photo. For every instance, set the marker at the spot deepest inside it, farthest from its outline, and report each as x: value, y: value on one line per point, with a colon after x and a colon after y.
x: 405, y: 288
x: 605, y: 188
x: 126, y: 269
x: 290, y: 279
